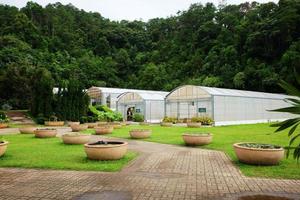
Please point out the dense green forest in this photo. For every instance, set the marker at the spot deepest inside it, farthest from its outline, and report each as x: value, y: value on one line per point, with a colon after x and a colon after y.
x: 246, y: 46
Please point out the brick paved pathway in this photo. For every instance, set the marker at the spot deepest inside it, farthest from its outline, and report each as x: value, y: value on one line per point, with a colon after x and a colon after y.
x: 160, y: 172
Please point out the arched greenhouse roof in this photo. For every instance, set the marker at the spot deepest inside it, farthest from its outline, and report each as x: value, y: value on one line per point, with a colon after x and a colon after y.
x: 159, y: 96
x: 97, y: 91
x: 194, y: 92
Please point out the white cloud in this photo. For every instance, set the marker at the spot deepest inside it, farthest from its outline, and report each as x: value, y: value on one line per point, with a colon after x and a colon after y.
x: 129, y: 9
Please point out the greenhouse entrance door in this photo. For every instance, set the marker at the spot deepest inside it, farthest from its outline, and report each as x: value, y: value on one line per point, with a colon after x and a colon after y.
x: 129, y: 113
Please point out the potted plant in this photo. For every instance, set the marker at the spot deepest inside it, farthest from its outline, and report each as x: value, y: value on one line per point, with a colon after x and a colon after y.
x: 53, y: 121
x: 3, y: 147
x: 167, y: 122
x: 92, y: 122
x: 140, y: 133
x: 258, y: 154
x: 105, y: 129
x: 27, y: 130
x: 195, y: 123
x: 3, y: 120
x: 116, y: 125
x: 70, y: 123
x: 79, y: 127
x: 75, y: 138
x: 45, y: 132
x: 195, y: 139
x: 106, y: 150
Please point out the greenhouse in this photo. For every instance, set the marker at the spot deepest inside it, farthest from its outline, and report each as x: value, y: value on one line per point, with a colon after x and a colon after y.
x: 109, y: 96
x: 225, y: 106
x: 150, y: 105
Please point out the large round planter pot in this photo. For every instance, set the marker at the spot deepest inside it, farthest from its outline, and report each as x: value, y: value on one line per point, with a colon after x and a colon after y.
x: 102, y: 130
x: 140, y: 133
x: 194, y: 124
x: 116, y: 125
x: 3, y: 125
x: 166, y: 124
x: 73, y: 123
x: 54, y: 123
x: 195, y: 139
x: 3, y: 147
x: 258, y: 156
x: 79, y: 127
x: 27, y: 130
x: 45, y: 133
x: 92, y: 124
x: 75, y: 138
x: 110, y: 150
x: 144, y: 123
x: 102, y: 123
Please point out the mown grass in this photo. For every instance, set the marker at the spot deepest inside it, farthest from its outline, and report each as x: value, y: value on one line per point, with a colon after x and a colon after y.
x: 26, y: 151
x: 223, y: 138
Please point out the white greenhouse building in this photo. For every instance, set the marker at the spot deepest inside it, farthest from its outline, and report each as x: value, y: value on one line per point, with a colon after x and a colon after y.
x: 225, y: 106
x: 150, y: 105
x: 109, y: 96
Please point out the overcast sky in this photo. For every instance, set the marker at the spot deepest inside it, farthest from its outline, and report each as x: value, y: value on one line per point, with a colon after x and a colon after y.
x: 129, y: 9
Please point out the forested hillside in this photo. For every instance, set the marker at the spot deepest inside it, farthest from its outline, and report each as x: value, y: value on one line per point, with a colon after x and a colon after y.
x: 247, y: 46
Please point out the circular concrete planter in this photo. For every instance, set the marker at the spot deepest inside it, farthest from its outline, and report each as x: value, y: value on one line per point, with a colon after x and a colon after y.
x: 75, y: 138
x: 258, y: 156
x: 45, y: 133
x: 194, y: 124
x: 102, y: 123
x: 140, y: 133
x: 3, y: 147
x: 111, y: 150
x: 102, y: 130
x: 166, y: 124
x: 79, y: 127
x: 116, y: 125
x: 195, y: 139
x: 27, y: 130
x: 54, y: 123
x: 92, y: 124
x: 3, y: 125
x: 73, y: 123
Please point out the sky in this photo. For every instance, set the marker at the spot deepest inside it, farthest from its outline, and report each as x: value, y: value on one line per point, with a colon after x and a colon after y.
x: 130, y: 9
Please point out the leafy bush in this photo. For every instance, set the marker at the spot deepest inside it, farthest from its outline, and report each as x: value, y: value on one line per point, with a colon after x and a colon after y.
x: 103, y: 108
x: 118, y: 116
x: 204, y: 120
x: 6, y: 106
x: 3, y: 118
x: 170, y: 120
x: 293, y: 123
x: 83, y: 119
x: 92, y: 119
x: 105, y: 114
x: 138, y: 117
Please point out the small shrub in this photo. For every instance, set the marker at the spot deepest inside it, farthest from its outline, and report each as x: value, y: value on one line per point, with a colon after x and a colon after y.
x: 91, y: 119
x: 3, y: 118
x: 204, y: 120
x: 6, y: 107
x: 138, y: 117
x: 83, y: 119
x: 170, y: 120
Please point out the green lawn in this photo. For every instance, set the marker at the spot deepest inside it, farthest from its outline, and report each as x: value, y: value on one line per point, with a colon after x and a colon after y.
x: 223, y: 138
x: 29, y: 152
